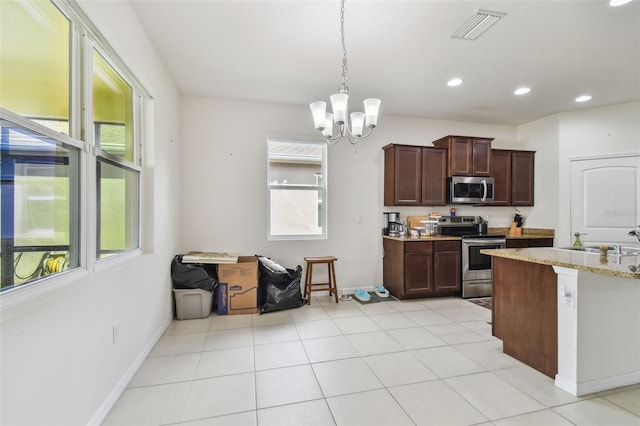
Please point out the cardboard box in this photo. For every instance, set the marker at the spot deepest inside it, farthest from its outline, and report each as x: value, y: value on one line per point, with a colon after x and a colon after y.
x: 238, y: 287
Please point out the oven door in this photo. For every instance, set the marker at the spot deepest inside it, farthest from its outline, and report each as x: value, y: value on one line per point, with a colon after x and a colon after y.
x: 475, y: 265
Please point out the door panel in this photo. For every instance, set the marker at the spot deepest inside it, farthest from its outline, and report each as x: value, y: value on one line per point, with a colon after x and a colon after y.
x: 605, y: 198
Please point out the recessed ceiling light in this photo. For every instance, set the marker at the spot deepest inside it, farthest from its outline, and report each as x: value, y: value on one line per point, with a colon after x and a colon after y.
x: 615, y: 3
x: 454, y: 82
x: 583, y: 98
x: 521, y: 91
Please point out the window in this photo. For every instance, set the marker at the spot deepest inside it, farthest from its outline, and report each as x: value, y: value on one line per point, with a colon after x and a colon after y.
x: 297, y: 189
x: 35, y: 66
x: 117, y: 174
x: 118, y: 209
x: 60, y: 166
x: 39, y: 205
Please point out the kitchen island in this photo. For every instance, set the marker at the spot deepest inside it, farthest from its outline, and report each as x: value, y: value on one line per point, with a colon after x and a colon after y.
x: 572, y: 315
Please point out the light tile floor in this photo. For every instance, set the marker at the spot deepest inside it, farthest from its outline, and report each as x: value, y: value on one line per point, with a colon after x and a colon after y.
x: 422, y: 362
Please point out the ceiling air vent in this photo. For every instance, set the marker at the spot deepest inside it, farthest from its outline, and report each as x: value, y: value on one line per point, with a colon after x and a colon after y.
x: 477, y: 24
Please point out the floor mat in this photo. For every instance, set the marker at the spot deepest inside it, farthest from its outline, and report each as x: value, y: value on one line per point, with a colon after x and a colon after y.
x: 485, y: 302
x: 375, y: 298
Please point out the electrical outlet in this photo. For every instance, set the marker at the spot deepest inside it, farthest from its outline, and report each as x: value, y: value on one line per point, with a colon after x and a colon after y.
x: 116, y: 331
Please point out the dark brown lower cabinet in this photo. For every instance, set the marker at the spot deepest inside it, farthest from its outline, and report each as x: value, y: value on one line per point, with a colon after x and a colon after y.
x: 447, y: 270
x: 421, y: 268
x: 525, y: 314
x: 529, y: 242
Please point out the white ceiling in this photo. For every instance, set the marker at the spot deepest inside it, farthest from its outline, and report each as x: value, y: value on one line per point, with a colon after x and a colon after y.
x: 401, y: 52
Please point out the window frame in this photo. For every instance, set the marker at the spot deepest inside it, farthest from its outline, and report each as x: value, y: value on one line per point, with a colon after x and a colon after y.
x: 323, y: 187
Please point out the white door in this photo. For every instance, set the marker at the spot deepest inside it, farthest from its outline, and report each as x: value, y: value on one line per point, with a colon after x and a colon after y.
x: 605, y: 198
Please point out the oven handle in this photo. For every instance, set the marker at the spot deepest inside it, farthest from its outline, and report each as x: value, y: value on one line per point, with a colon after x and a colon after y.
x: 483, y: 241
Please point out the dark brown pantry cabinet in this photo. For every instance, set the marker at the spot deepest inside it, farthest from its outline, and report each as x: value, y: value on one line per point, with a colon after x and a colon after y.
x: 414, y: 176
x: 466, y: 155
x: 421, y: 268
x: 513, y: 174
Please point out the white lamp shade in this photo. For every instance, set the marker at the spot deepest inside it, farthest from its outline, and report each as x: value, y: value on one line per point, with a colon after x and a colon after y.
x: 328, y: 127
x: 339, y: 102
x: 371, y: 109
x: 357, y: 123
x: 319, y: 109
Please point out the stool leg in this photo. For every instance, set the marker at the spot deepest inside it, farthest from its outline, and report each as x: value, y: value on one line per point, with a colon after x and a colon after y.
x: 307, y: 282
x: 334, y: 285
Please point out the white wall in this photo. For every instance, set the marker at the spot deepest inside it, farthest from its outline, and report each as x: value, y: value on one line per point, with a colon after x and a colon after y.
x: 59, y: 365
x: 577, y: 134
x: 224, y: 195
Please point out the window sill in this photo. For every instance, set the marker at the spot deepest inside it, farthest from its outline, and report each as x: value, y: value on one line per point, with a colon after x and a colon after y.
x: 30, y: 296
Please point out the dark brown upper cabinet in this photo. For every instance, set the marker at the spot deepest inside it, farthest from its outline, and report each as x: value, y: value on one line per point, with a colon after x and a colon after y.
x: 414, y: 176
x: 513, y: 174
x: 466, y: 155
x: 434, y: 177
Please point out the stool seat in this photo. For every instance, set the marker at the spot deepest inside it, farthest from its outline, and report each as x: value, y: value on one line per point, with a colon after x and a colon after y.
x: 330, y: 286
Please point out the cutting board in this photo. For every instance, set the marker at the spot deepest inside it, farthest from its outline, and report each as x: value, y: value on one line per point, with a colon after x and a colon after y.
x: 414, y: 221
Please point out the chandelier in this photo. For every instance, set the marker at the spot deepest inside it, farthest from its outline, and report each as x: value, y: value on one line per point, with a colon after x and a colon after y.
x: 324, y: 120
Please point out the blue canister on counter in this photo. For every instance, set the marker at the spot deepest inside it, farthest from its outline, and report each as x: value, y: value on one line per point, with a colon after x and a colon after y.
x: 452, y: 212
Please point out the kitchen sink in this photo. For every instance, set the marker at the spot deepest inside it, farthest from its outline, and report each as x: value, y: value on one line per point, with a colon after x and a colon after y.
x: 624, y: 251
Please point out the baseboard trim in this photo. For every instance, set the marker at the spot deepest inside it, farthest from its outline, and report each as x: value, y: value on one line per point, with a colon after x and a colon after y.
x: 101, y: 414
x: 598, y: 385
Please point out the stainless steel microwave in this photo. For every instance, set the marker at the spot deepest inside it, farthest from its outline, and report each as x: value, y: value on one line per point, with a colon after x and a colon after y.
x: 469, y: 190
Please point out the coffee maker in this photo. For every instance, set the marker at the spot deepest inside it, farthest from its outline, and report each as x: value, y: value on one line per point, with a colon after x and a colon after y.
x: 389, y: 217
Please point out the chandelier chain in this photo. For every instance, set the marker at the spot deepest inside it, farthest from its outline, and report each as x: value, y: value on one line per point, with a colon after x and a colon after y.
x: 345, y: 76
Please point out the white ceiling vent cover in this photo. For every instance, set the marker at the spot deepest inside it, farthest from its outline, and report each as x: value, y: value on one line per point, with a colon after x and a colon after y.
x: 477, y: 24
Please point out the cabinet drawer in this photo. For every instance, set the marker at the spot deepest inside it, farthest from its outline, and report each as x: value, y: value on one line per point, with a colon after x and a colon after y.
x: 446, y: 245
x: 418, y: 247
x: 517, y: 243
x: 541, y: 242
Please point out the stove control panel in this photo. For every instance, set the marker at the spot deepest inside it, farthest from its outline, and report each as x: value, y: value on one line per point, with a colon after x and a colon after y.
x: 460, y: 220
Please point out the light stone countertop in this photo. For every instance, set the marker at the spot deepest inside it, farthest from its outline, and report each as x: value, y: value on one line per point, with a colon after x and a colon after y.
x: 431, y: 238
x: 591, y: 262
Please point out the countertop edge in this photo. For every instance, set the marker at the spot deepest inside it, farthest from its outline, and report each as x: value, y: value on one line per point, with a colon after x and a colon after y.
x: 431, y: 238
x: 543, y: 256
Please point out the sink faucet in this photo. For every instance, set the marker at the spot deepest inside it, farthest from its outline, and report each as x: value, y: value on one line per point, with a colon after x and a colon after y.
x: 636, y: 233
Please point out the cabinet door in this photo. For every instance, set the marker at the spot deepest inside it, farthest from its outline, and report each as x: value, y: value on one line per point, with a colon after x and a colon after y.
x: 403, y: 175
x: 522, y: 167
x: 446, y: 271
x: 481, y: 164
x: 501, y: 173
x: 434, y: 177
x: 460, y: 157
x: 418, y: 273
x: 393, y: 267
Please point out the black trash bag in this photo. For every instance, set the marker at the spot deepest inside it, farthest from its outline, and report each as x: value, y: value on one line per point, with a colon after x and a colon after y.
x: 186, y: 276
x: 279, y: 286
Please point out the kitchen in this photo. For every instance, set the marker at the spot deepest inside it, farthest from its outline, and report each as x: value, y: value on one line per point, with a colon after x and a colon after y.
x: 233, y: 153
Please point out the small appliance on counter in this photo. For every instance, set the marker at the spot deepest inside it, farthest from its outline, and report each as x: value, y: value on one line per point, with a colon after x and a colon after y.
x: 482, y: 227
x: 389, y: 217
x: 396, y: 229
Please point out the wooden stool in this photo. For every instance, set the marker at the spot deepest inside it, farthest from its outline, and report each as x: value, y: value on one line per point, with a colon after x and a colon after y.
x: 329, y: 286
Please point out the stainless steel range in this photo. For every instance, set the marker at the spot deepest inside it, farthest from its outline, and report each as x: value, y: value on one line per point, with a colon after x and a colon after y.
x: 476, y: 267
